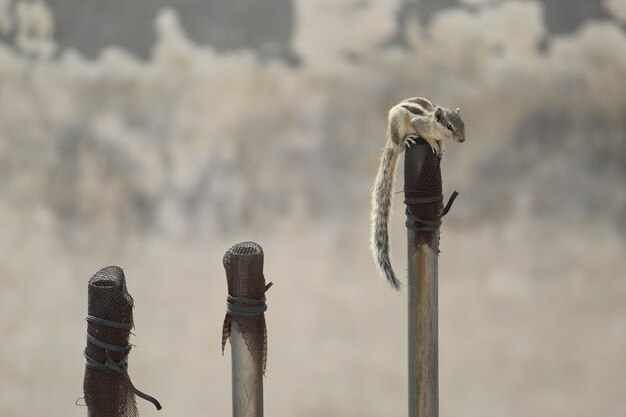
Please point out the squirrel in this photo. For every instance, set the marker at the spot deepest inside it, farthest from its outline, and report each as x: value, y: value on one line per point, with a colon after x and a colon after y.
x: 409, y: 120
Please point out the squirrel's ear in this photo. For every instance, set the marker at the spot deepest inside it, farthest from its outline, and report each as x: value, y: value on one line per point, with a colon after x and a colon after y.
x: 458, y: 110
x: 438, y: 113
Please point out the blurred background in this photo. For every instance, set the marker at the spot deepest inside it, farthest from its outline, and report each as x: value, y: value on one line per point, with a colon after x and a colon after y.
x: 155, y: 134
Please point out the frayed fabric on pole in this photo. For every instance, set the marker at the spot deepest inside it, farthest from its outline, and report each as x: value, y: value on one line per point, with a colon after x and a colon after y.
x: 107, y: 386
x: 246, y: 299
x: 423, y: 194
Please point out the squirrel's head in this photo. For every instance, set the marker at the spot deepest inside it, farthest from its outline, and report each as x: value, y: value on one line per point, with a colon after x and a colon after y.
x: 452, y: 123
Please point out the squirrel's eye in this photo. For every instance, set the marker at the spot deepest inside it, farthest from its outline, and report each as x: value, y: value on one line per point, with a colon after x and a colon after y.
x: 450, y: 127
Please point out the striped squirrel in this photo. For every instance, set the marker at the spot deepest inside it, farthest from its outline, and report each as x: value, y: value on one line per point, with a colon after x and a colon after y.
x: 408, y: 120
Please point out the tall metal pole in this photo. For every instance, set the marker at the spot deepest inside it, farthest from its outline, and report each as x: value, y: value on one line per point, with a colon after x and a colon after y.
x: 245, y: 325
x: 423, y: 331
x: 246, y: 376
x: 422, y: 179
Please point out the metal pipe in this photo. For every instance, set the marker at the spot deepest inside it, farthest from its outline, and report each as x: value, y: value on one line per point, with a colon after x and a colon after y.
x: 244, y: 324
x: 422, y: 182
x: 247, y: 378
x: 423, y: 330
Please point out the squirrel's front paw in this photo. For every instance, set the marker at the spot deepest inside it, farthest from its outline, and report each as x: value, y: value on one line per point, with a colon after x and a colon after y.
x: 410, y: 140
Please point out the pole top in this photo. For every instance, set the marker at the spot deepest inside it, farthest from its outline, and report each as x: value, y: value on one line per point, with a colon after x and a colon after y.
x: 243, y: 263
x: 423, y: 193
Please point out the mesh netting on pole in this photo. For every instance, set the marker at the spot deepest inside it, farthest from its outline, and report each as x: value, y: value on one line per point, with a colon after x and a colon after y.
x: 423, y: 194
x: 107, y: 387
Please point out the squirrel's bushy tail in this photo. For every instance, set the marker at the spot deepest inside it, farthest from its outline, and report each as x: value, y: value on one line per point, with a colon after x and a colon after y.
x: 381, y: 208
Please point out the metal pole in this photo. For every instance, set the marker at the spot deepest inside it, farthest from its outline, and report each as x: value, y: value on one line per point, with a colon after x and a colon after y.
x: 423, y: 332
x: 422, y: 179
x: 245, y: 325
x: 247, y: 377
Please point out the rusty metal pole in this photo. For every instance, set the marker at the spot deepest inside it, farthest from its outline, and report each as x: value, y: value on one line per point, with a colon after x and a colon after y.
x: 422, y: 183
x: 423, y: 332
x: 245, y: 325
